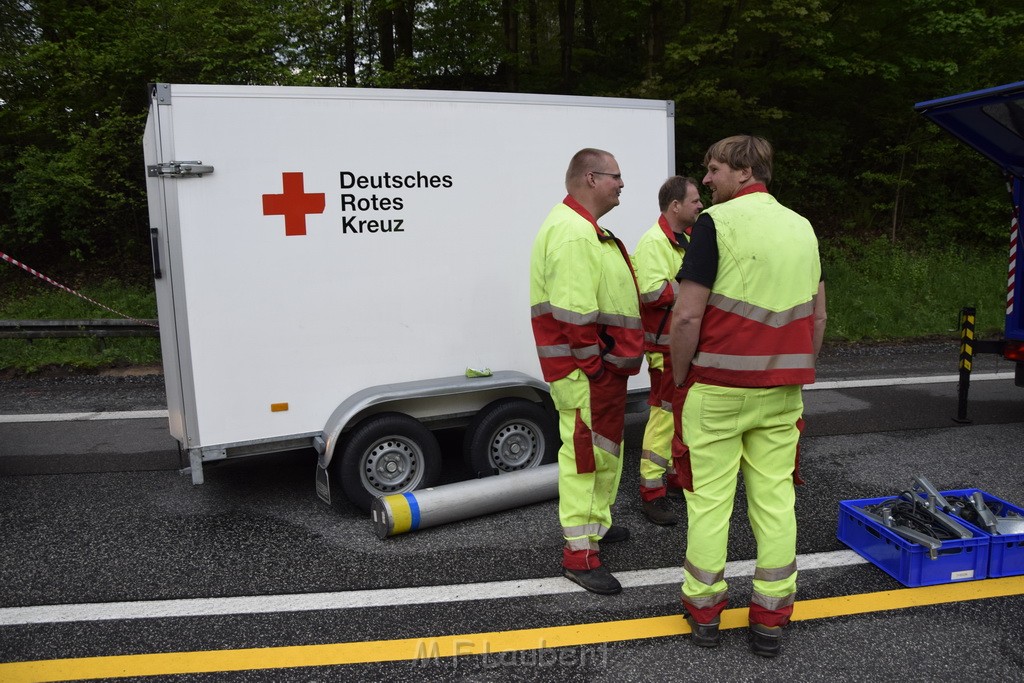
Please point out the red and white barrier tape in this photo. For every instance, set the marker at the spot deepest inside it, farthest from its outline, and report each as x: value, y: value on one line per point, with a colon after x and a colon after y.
x: 58, y: 285
x: 1012, y: 275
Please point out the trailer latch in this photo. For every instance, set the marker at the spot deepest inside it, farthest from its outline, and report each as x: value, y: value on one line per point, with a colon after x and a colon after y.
x: 179, y: 169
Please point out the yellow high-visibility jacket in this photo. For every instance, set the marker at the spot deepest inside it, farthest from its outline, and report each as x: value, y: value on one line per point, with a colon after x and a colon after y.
x: 584, y: 302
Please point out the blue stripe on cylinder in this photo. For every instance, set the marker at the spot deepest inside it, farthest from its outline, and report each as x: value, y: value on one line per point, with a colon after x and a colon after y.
x: 414, y: 509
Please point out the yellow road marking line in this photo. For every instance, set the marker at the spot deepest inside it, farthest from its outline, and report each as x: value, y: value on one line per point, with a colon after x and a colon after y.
x: 432, y: 647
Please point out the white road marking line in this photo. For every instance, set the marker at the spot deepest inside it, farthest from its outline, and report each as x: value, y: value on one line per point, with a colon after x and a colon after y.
x: 304, y: 602
x: 903, y: 381
x: 85, y: 417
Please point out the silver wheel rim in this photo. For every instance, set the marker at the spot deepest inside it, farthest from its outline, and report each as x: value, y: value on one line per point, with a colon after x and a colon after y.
x: 392, y: 465
x: 516, y: 445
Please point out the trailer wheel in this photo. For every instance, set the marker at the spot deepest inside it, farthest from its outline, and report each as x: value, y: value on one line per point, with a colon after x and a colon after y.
x: 510, y: 434
x: 387, y: 453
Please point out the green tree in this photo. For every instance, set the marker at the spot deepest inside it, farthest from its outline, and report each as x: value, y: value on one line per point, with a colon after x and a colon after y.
x: 832, y: 84
x: 73, y: 101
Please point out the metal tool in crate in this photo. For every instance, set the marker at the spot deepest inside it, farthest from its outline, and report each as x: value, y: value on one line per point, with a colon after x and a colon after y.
x: 986, y: 514
x: 924, y: 521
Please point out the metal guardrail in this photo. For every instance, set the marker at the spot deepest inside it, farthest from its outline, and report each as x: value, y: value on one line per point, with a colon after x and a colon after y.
x: 53, y: 329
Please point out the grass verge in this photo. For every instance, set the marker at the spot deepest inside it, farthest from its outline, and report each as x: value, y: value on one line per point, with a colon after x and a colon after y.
x: 40, y: 301
x: 877, y: 291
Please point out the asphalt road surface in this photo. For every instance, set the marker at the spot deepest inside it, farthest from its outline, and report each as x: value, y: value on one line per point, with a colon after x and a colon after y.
x: 113, y: 565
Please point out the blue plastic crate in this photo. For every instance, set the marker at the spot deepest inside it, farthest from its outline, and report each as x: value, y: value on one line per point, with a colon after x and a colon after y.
x: 1006, y: 551
x: 907, y: 562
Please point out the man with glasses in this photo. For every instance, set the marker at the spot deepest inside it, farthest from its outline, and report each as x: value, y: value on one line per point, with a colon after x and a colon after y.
x: 658, y: 258
x: 585, y: 312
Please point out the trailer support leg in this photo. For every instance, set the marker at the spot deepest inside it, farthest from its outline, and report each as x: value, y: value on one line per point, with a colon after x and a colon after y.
x: 966, y: 360
x: 195, y: 457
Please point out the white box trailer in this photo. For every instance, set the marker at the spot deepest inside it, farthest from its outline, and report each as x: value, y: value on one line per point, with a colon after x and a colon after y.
x: 329, y: 262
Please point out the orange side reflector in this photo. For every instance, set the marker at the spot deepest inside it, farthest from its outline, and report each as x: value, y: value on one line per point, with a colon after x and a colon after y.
x: 278, y: 407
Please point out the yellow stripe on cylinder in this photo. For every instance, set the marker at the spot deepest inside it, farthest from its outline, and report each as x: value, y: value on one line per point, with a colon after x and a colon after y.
x: 392, y: 514
x: 402, y: 512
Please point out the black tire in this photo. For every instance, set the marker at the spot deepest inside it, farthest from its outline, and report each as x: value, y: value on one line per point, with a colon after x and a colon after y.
x: 384, y: 454
x: 510, y: 434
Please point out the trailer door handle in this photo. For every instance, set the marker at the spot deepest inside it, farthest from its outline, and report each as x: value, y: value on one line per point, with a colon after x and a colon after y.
x: 154, y: 236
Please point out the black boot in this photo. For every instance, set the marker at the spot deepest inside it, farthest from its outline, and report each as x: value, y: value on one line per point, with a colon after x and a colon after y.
x: 598, y: 580
x: 659, y: 511
x: 705, y: 635
x: 615, y: 534
x: 765, y: 641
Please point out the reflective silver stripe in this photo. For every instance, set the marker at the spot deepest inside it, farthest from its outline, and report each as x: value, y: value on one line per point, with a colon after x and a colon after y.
x: 661, y: 340
x: 581, y: 544
x: 553, y: 351
x: 776, y: 574
x: 666, y: 406
x: 651, y: 483
x: 706, y: 601
x: 586, y: 351
x: 705, y: 577
x: 787, y: 361
x: 654, y: 457
x: 771, y: 603
x: 564, y: 351
x: 563, y: 314
x: 537, y: 310
x: 655, y: 295
x: 628, y: 322
x: 583, y: 531
x: 604, y: 443
x: 758, y: 314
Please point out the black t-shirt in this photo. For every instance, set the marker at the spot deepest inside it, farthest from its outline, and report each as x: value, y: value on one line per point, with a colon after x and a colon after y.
x: 700, y: 264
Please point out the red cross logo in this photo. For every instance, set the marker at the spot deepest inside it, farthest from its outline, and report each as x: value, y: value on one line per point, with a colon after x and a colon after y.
x: 293, y: 204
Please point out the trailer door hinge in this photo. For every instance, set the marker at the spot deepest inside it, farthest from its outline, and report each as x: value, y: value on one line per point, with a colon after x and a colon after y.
x: 179, y: 169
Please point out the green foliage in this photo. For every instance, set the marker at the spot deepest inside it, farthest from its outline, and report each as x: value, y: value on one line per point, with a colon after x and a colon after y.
x: 73, y: 101
x: 44, y: 302
x: 832, y: 85
x: 41, y: 301
x: 459, y: 40
x: 878, y: 291
x: 77, y: 354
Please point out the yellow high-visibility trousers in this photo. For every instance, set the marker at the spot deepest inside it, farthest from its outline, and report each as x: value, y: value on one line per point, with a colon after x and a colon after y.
x: 753, y: 431
x: 656, y: 450
x: 591, y: 419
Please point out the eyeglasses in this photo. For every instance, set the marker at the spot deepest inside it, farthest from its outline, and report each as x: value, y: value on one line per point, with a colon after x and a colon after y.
x: 615, y: 176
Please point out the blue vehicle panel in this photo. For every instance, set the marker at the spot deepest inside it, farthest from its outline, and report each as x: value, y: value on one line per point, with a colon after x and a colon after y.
x: 991, y: 121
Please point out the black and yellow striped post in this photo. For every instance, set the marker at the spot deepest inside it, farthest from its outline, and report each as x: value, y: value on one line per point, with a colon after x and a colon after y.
x: 966, y: 361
